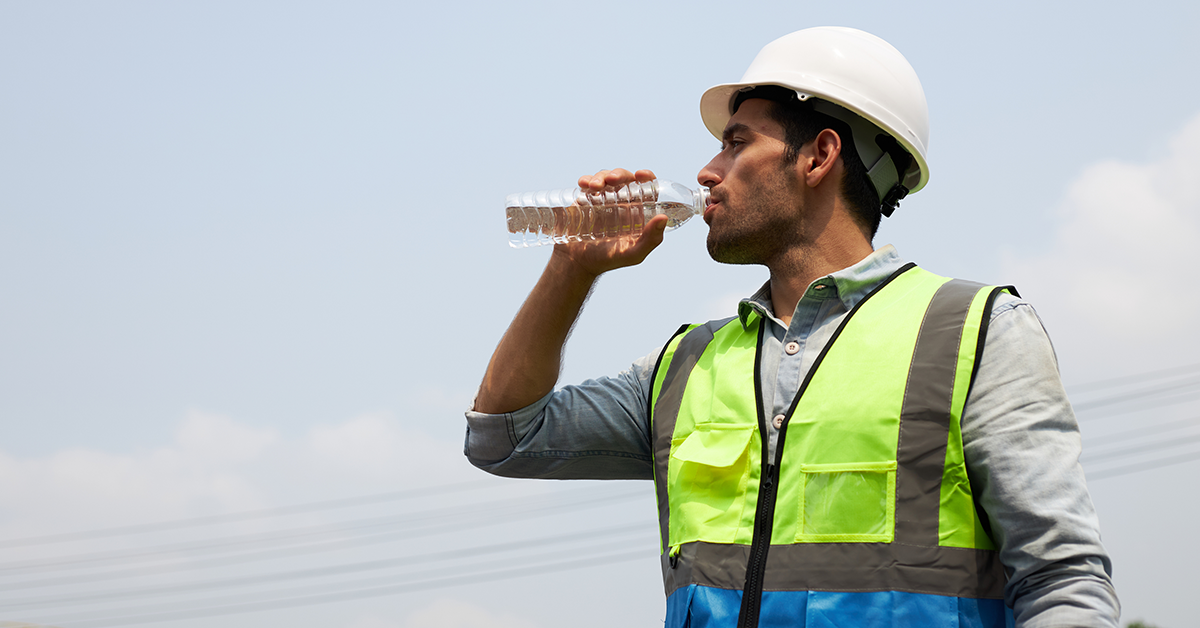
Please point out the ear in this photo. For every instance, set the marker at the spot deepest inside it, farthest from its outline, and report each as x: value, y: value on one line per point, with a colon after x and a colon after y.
x: 826, y: 149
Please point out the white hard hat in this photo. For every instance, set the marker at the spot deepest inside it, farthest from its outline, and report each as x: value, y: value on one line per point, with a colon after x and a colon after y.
x: 850, y: 68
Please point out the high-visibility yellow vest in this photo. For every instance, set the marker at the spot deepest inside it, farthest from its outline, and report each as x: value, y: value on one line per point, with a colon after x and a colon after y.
x: 867, y: 491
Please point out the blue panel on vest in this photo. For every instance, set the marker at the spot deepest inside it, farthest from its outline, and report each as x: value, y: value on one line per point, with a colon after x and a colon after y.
x: 706, y: 607
x: 984, y: 614
x: 882, y: 609
x: 678, y: 604
x: 695, y: 606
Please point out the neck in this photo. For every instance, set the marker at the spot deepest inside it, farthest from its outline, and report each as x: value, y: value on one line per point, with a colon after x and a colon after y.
x: 793, y: 273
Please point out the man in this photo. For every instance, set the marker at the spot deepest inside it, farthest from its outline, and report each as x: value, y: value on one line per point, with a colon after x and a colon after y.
x: 865, y: 443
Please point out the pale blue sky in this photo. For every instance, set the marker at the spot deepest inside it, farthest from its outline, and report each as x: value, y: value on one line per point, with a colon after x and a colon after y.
x: 289, y: 215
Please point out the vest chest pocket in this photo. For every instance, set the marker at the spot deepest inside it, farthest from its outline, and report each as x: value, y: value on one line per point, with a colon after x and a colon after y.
x: 706, y: 482
x: 848, y: 503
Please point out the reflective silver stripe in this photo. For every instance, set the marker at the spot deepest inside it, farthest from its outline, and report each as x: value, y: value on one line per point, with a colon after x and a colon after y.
x: 925, y: 414
x: 666, y: 411
x: 948, y: 571
x: 708, y: 564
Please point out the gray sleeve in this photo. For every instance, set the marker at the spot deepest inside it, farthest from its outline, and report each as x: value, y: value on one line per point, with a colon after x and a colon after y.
x: 1022, y: 448
x: 599, y: 430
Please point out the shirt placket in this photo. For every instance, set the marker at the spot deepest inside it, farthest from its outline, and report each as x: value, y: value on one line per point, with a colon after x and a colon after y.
x: 796, y: 348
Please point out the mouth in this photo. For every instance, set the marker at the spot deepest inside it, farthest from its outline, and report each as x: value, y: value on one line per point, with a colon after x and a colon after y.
x: 709, y: 210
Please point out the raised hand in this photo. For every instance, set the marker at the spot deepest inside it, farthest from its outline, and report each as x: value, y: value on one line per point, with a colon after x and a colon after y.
x: 594, y: 257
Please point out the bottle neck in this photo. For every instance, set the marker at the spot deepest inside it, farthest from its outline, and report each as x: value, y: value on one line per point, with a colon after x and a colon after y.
x: 700, y: 199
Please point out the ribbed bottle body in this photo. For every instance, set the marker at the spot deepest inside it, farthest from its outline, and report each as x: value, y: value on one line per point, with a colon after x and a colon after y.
x: 574, y: 215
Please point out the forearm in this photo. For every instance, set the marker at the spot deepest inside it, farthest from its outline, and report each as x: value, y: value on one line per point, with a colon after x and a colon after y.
x: 598, y: 429
x: 526, y: 363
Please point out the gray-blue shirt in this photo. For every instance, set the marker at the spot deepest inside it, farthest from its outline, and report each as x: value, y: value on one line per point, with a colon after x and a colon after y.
x: 1020, y: 440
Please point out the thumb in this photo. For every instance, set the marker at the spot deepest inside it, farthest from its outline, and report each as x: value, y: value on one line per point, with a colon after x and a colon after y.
x: 652, y: 235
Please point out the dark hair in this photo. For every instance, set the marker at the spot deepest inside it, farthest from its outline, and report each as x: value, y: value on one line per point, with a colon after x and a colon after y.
x: 801, y: 125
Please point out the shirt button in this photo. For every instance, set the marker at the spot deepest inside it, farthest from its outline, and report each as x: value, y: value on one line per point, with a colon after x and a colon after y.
x: 792, y: 348
x: 778, y: 421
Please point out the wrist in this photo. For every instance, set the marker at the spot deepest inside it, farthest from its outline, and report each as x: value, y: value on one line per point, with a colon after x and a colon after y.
x: 569, y: 268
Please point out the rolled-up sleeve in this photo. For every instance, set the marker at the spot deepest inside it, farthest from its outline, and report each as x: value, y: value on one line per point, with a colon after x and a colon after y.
x: 1022, y: 448
x: 599, y: 429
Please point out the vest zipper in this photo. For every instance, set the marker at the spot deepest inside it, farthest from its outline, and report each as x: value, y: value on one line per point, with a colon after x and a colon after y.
x: 764, y: 515
x: 756, y: 568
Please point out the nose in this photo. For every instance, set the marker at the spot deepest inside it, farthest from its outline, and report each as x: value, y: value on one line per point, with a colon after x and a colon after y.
x: 710, y: 174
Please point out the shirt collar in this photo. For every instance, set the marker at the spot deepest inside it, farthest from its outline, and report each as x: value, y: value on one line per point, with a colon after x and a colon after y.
x: 851, y: 285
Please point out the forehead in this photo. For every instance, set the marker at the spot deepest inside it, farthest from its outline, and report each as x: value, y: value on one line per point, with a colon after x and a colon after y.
x: 755, y: 114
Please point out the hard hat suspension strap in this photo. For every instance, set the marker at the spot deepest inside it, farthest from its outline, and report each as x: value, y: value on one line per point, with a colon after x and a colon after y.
x: 884, y: 165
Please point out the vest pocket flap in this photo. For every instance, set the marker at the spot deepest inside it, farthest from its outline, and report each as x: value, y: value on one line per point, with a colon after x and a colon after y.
x: 715, y: 445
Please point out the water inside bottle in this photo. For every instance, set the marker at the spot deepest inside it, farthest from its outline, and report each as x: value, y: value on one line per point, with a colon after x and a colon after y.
x: 677, y: 213
x: 542, y: 225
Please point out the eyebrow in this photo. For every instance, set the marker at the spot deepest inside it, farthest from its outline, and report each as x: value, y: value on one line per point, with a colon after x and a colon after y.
x: 736, y: 127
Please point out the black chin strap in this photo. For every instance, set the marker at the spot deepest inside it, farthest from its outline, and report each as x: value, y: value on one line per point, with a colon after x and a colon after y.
x: 899, y: 159
x: 891, y: 200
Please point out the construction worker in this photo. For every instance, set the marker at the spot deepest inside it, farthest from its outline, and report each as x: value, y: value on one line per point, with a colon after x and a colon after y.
x: 864, y: 443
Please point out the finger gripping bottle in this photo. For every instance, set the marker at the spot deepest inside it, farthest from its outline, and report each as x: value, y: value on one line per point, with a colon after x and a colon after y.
x: 574, y: 215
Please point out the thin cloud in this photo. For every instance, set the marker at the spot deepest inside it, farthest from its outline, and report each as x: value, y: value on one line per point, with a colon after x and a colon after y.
x: 1121, y: 261
x: 216, y: 464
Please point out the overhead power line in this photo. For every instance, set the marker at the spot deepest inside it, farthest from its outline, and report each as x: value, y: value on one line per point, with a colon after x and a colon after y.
x: 455, y: 524
x: 1144, y: 466
x: 1167, y: 387
x: 62, y: 600
x: 1140, y: 449
x: 249, y: 515
x: 1112, y: 410
x: 1113, y: 382
x: 1149, y: 430
x: 308, y: 596
x: 286, y: 537
x: 1183, y: 391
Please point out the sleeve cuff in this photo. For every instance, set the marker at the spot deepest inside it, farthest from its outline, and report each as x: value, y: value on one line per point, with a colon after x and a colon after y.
x: 493, y: 437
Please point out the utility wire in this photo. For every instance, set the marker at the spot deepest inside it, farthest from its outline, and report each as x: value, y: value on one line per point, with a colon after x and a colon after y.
x: 61, y: 600
x: 1107, y: 411
x: 1137, y: 394
x: 1133, y: 379
x: 249, y: 515
x: 1145, y: 466
x: 1140, y: 449
x: 295, y: 598
x: 1150, y: 430
x: 241, y: 598
x: 441, y: 528
x: 171, y: 551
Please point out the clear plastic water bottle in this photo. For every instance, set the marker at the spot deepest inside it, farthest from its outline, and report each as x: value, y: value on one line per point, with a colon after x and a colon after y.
x: 554, y: 216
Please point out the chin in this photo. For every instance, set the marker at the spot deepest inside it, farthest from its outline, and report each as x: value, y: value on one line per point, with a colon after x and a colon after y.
x: 727, y: 253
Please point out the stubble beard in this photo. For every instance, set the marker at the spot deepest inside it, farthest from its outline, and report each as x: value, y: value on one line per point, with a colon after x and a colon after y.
x: 759, y: 231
